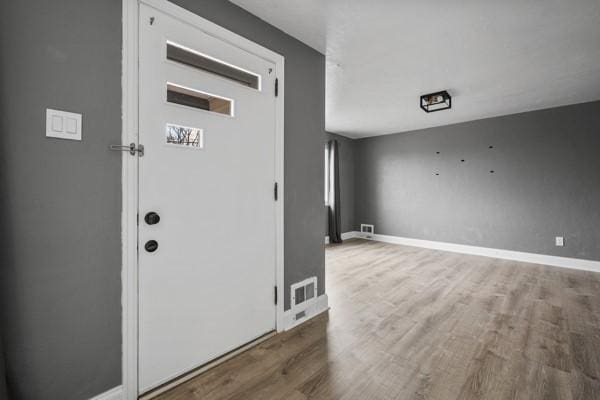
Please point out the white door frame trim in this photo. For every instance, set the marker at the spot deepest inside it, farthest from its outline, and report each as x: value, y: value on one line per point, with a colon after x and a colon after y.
x: 129, y: 134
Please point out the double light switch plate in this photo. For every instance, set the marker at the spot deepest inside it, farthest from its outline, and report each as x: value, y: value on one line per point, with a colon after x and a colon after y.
x: 63, y: 125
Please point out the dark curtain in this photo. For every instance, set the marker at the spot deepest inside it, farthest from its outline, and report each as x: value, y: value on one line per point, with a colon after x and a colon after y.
x: 333, y: 188
x: 3, y: 391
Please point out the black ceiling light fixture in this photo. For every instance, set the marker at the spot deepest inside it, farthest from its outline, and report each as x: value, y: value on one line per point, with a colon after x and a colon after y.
x: 437, y: 101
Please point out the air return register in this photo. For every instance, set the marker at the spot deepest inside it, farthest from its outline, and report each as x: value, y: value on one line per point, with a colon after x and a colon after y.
x: 304, y: 296
x: 367, y: 230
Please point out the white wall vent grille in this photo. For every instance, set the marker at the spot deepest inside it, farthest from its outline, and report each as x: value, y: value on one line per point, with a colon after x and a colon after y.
x: 367, y: 230
x: 304, y: 296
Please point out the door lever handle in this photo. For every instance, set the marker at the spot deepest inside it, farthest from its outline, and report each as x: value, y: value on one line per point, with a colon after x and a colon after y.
x: 131, y: 148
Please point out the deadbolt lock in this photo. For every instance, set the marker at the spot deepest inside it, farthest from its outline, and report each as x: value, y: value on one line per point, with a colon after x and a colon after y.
x: 151, y: 246
x: 152, y: 218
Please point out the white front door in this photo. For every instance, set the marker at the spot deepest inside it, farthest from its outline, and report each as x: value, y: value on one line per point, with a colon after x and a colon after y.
x: 207, y: 213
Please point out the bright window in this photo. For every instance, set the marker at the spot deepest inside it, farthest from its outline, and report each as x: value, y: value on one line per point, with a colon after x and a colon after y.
x: 192, y: 58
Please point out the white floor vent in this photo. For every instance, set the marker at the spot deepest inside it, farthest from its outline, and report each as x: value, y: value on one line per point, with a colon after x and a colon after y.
x: 304, y: 298
x: 367, y: 230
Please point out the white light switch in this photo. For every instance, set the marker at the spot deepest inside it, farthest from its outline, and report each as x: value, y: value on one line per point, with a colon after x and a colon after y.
x: 63, y: 125
x: 560, y: 241
x: 71, y: 125
x: 57, y: 123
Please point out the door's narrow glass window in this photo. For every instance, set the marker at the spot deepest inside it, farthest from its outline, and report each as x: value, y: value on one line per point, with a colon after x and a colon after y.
x: 185, y: 136
x: 184, y: 55
x: 194, y: 98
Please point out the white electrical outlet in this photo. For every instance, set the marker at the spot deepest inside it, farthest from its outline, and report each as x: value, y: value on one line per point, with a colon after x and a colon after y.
x: 560, y: 241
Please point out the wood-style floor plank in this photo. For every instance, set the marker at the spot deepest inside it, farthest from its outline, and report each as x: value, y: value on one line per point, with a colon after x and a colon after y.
x: 411, y: 323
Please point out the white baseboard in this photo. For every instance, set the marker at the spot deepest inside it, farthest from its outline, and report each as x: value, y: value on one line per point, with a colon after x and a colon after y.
x: 349, y: 235
x: 345, y: 236
x: 113, y: 394
x: 543, y: 259
x: 321, y: 305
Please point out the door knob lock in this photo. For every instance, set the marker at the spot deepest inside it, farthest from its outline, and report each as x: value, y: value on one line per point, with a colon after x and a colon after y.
x: 152, y: 218
x: 151, y: 246
x: 132, y: 149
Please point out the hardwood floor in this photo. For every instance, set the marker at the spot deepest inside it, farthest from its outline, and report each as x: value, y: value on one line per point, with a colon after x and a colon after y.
x: 411, y: 323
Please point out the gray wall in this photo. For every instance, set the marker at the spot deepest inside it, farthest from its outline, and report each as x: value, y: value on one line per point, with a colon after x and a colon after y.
x: 61, y: 254
x: 546, y: 182
x: 61, y: 246
x: 346, y: 149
